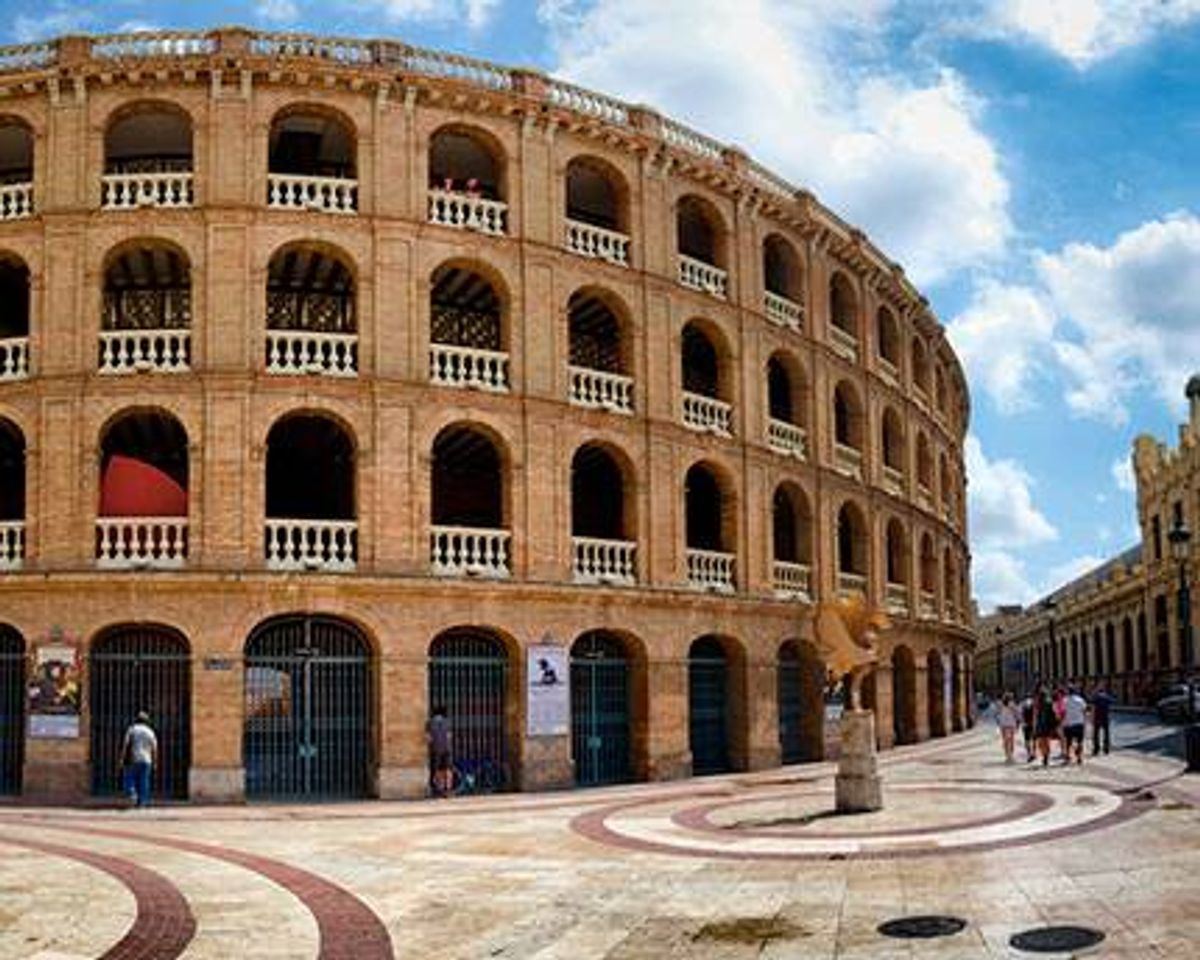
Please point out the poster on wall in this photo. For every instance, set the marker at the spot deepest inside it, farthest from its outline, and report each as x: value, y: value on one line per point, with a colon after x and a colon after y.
x: 54, y: 691
x: 548, y: 691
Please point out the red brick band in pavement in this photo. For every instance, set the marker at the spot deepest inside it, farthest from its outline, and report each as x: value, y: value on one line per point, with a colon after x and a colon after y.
x: 164, y: 924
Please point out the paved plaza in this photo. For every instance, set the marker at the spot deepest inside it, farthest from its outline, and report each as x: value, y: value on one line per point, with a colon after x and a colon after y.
x: 746, y: 865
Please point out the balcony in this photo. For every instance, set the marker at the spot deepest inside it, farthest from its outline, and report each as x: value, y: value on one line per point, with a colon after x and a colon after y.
x: 849, y: 584
x: 710, y: 570
x: 329, y: 546
x: 468, y: 368
x: 893, y: 480
x: 793, y: 581
x: 597, y: 390
x: 888, y: 372
x: 896, y: 599
x: 707, y: 415
x: 166, y: 350
x: 924, y: 497
x: 604, y: 561
x: 298, y: 352
x: 141, y: 543
x: 12, y: 544
x: 787, y: 438
x: 131, y: 191
x: 464, y: 211
x: 847, y: 460
x: 698, y: 275
x: 295, y: 191
x: 597, y: 243
x: 16, y: 201
x: 783, y: 312
x: 844, y: 344
x: 14, y: 358
x: 470, y: 552
x: 928, y: 605
x: 920, y: 396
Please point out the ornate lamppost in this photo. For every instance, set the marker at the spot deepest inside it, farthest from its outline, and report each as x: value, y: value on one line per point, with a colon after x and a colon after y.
x: 1180, y: 538
x: 1056, y: 666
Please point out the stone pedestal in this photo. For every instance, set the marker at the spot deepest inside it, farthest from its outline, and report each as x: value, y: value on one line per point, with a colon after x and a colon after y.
x: 857, y: 786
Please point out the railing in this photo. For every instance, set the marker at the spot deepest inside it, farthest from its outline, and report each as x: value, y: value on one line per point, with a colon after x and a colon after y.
x: 470, y: 552
x: 787, y: 438
x: 698, y: 275
x: 295, y: 191
x: 928, y: 605
x: 707, y: 415
x: 783, y: 312
x: 137, y: 351
x: 16, y: 201
x: 924, y: 497
x: 446, y: 66
x: 593, y: 104
x: 27, y: 56
x: 131, y: 543
x: 129, y: 191
x: 793, y: 581
x: 710, y: 570
x: 323, y: 354
x: 763, y: 178
x: 468, y: 368
x: 598, y: 243
x: 889, y: 371
x: 598, y: 390
x: 332, y: 49
x: 920, y: 397
x: 893, y: 480
x: 12, y: 544
x: 677, y: 135
x: 604, y: 561
x: 896, y: 598
x: 462, y: 211
x: 848, y: 583
x: 14, y: 358
x: 844, y: 344
x: 847, y: 460
x: 320, y: 545
x: 133, y: 46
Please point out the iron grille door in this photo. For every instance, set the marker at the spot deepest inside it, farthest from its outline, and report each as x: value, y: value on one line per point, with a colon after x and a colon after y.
x: 308, y: 711
x: 788, y: 693
x: 468, y: 676
x: 141, y: 668
x: 12, y: 709
x: 600, y: 711
x: 707, y: 734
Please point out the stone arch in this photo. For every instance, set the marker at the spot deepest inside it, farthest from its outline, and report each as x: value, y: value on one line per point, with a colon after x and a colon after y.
x: 904, y: 694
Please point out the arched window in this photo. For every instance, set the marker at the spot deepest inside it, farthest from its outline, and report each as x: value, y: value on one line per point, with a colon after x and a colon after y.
x: 897, y: 553
x: 598, y: 354
x: 467, y: 331
x: 603, y: 530
x: 949, y: 584
x: 12, y: 496
x: 783, y: 286
x: 470, y: 505
x: 705, y: 390
x: 847, y: 430
x: 852, y: 549
x: 893, y: 443
x: 311, y: 162
x: 791, y: 541
x: 597, y: 211
x: 466, y: 181
x: 14, y: 318
x: 147, y: 309
x: 701, y: 244
x: 843, y: 316
x: 920, y: 366
x: 148, y: 158
x: 312, y: 327
x: 16, y: 164
x: 887, y: 336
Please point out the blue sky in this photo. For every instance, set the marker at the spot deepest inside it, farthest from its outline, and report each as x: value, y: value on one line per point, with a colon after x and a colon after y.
x: 1033, y: 164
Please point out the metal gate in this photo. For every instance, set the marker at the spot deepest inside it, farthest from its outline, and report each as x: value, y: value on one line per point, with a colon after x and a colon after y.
x: 307, y: 731
x: 600, y: 710
x: 12, y: 709
x: 133, y: 668
x: 707, y: 695
x: 468, y: 677
x: 787, y: 673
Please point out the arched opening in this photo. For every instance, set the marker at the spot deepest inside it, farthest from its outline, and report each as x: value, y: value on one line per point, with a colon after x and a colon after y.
x: 893, y: 444
x: 599, y: 354
x: 887, y: 336
x: 784, y: 399
x: 782, y: 275
x: 309, y: 710
x: 1110, y: 650
x: 928, y: 569
x: 852, y: 549
x: 958, y: 697
x: 148, y: 158
x: 467, y: 161
x: 602, y: 709
x: 147, y: 309
x: 699, y: 231
x: 467, y: 330
x: 14, y: 318
x: 599, y: 503
x: 904, y: 695
x: 939, y: 389
x: 131, y: 668
x: 596, y: 195
x: 469, y: 488
x: 800, y: 678
x: 311, y: 319
x: 949, y: 584
x: 1128, y: 663
x: 12, y: 707
x: 920, y: 365
x: 311, y: 143
x: 701, y: 363
x: 16, y: 162
x: 470, y: 678
x: 706, y: 513
x: 709, y: 708
x: 897, y: 557
x: 12, y: 481
x: 848, y: 418
x: 791, y: 525
x: 843, y: 305
x: 936, y: 672
x: 924, y: 465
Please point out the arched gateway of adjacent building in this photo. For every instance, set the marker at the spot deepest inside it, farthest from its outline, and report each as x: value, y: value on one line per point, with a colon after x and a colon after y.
x: 12, y: 708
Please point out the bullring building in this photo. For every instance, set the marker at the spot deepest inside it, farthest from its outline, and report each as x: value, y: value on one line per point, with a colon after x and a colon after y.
x: 338, y: 376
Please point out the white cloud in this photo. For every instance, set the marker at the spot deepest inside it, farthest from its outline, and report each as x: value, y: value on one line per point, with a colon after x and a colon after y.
x: 60, y: 19
x: 278, y: 11
x: 1064, y: 573
x: 476, y: 13
x: 1122, y: 474
x: 800, y: 85
x: 1003, y: 515
x: 999, y: 577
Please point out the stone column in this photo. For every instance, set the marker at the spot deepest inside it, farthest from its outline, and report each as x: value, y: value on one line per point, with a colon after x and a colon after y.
x: 857, y: 786
x: 403, y: 708
x: 763, y: 749
x: 217, y: 773
x: 922, y: 700
x: 668, y: 756
x: 885, y: 725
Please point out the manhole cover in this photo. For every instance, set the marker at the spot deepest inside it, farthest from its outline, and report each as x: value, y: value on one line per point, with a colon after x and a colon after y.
x: 922, y: 928
x: 1055, y: 939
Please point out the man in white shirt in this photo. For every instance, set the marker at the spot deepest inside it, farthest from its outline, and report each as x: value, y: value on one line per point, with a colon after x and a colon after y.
x: 1074, y: 717
x: 139, y: 752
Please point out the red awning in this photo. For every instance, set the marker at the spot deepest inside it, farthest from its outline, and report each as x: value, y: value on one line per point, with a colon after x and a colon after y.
x: 131, y: 488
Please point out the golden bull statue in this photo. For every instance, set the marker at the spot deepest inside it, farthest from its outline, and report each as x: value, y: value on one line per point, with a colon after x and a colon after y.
x: 846, y: 630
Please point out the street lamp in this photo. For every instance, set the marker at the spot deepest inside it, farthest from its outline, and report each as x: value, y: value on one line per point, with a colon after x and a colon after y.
x: 1180, y: 538
x: 999, y: 632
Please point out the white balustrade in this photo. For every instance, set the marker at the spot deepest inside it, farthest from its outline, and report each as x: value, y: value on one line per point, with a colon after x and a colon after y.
x: 27, y: 56
x: 598, y: 243
x: 130, y: 543
x: 698, y: 275
x: 138, y: 351
x: 783, y: 312
x: 787, y: 438
x: 844, y: 343
x: 12, y: 544
x: 896, y: 598
x: 294, y: 191
x: 470, y: 552
x: 893, y: 480
x: 16, y: 201
x: 303, y: 352
x: 707, y: 414
x: 763, y: 178
x: 293, y: 45
x: 447, y: 66
x: 710, y: 570
x: 468, y: 368
x: 793, y: 581
x: 847, y: 460
x: 14, y: 358
x: 849, y: 583
x: 928, y: 607
x: 464, y: 211
x: 129, y: 191
x: 598, y: 390
x: 678, y: 135
x: 604, y: 561
x: 319, y: 545
x: 153, y: 43
x: 586, y: 101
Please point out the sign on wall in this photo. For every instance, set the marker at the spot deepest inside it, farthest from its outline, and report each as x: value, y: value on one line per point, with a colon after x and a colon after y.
x: 548, y: 691
x: 54, y: 689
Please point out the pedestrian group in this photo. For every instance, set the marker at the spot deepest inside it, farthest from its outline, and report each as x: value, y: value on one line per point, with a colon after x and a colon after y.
x: 1059, y: 714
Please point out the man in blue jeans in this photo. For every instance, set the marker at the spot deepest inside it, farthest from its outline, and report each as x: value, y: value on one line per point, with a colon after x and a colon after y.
x: 139, y: 752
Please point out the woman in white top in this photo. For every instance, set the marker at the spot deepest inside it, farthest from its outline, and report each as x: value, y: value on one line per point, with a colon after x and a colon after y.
x: 1008, y: 718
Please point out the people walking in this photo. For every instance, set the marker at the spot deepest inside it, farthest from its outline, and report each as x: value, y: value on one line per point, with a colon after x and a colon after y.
x: 1027, y: 709
x: 1045, y: 722
x: 1060, y: 712
x: 1074, y: 718
x: 138, y: 753
x: 1102, y: 702
x: 1008, y: 718
x: 438, y: 735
